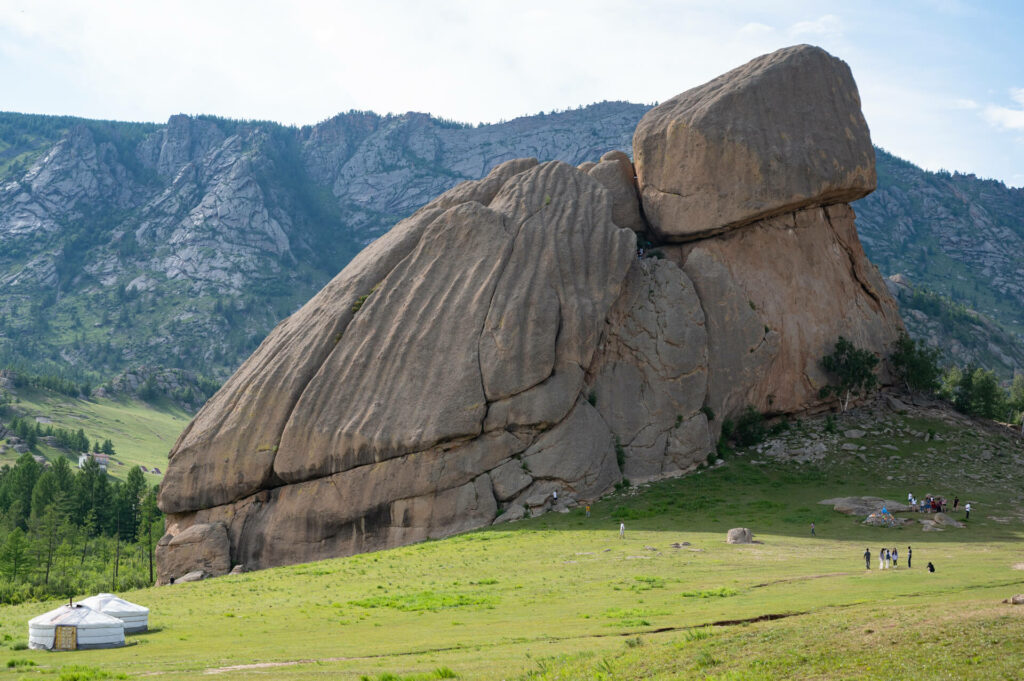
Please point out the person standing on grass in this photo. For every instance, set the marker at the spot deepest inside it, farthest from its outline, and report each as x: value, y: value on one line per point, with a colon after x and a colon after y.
x: 812, y: 530
x: 895, y: 556
x: 867, y: 559
x: 967, y: 508
x: 622, y: 530
x: 910, y: 555
x: 956, y: 502
x: 881, y: 559
x: 888, y: 559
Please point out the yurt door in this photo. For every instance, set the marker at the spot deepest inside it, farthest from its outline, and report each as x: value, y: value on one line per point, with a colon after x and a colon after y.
x: 65, y: 638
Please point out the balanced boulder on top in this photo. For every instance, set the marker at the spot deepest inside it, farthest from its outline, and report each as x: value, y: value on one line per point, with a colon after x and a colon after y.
x: 780, y: 133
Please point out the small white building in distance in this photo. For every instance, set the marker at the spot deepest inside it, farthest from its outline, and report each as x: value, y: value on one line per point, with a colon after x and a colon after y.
x: 75, y: 627
x: 135, y: 617
x: 102, y: 459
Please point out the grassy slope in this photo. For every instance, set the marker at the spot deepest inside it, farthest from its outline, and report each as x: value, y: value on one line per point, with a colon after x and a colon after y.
x: 561, y: 597
x: 142, y: 434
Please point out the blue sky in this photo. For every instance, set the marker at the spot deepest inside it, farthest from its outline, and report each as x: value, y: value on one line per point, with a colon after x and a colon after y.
x: 942, y: 81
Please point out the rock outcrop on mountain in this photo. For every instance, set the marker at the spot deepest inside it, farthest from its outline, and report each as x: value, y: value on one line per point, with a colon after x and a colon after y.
x: 504, y: 351
x: 181, y: 245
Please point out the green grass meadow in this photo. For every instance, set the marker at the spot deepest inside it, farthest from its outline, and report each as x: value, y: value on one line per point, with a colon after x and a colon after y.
x: 562, y: 597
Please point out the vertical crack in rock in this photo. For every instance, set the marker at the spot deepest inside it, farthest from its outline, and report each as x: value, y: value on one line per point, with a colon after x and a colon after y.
x: 854, y: 260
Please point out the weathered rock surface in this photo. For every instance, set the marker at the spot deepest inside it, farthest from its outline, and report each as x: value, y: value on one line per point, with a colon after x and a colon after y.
x: 202, y: 547
x: 863, y: 506
x: 780, y: 133
x: 777, y: 295
x: 739, y: 535
x: 503, y: 353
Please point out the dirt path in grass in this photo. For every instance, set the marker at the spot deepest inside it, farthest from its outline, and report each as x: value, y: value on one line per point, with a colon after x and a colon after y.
x: 659, y: 630
x: 800, y: 579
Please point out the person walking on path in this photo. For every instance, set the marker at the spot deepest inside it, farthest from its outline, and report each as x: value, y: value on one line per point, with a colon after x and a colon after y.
x: 881, y: 559
x: 956, y: 502
x: 910, y: 555
x: 867, y: 559
x: 622, y: 530
x: 967, y: 508
x: 895, y: 556
x: 812, y: 530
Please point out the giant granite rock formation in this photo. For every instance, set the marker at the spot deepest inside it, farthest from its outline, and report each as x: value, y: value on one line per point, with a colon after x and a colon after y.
x: 505, y: 342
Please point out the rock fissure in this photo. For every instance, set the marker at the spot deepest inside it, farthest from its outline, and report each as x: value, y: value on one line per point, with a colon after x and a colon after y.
x: 854, y: 268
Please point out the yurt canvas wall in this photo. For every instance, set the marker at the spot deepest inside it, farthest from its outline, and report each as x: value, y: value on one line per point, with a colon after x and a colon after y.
x: 135, y: 617
x: 74, y: 627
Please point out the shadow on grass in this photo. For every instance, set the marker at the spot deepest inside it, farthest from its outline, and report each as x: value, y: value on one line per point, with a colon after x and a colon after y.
x: 147, y: 632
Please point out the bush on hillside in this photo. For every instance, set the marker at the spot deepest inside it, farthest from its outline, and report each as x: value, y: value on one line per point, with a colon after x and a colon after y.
x: 916, y: 365
x: 854, y: 371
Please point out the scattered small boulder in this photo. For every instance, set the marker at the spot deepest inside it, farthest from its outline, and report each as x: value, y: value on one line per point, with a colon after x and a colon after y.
x: 203, y: 544
x: 237, y: 570
x: 679, y: 544
x: 948, y: 521
x: 855, y: 433
x: 194, y: 576
x: 1016, y: 600
x: 739, y: 535
x: 895, y: 404
x: 512, y: 513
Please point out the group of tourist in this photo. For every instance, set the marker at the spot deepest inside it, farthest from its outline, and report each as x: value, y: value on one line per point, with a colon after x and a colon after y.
x: 889, y: 559
x: 933, y: 504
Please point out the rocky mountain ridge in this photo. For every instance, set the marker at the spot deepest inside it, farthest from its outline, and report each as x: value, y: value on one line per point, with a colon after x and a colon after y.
x: 135, y: 244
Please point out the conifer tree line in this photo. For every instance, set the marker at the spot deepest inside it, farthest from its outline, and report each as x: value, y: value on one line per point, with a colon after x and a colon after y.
x: 67, y: 532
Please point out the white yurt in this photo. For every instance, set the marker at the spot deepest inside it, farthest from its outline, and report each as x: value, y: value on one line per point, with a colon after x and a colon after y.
x: 75, y: 627
x: 135, y: 617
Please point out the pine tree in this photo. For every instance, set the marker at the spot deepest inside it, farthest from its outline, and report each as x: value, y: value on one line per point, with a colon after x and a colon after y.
x: 855, y: 369
x: 14, y: 557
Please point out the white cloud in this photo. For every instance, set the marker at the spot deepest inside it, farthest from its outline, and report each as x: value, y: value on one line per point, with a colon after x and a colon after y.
x: 1007, y: 118
x: 828, y: 25
x: 755, y: 29
x: 966, y: 104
